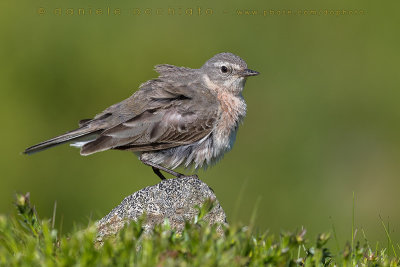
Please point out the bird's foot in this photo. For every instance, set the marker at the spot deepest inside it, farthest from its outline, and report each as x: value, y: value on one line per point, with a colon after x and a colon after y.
x: 157, y: 170
x: 180, y: 175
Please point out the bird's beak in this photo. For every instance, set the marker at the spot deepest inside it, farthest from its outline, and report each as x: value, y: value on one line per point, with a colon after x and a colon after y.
x: 248, y: 72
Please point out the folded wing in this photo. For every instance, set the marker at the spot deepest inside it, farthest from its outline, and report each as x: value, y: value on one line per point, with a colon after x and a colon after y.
x: 173, y: 117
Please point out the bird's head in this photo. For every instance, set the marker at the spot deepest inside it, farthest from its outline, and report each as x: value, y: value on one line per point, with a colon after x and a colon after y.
x: 228, y: 71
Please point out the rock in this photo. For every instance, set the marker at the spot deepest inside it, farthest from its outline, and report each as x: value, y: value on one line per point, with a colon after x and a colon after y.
x: 172, y: 199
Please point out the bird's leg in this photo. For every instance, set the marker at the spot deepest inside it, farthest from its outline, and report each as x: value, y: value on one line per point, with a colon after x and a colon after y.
x: 158, y: 172
x: 157, y: 168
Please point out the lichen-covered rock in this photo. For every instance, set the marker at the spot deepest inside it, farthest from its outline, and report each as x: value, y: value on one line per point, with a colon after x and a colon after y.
x: 172, y: 199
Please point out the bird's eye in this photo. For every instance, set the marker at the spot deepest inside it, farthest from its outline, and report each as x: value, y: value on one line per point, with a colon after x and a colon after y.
x: 224, y: 69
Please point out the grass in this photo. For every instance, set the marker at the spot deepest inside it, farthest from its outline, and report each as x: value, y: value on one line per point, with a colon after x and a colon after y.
x: 25, y: 240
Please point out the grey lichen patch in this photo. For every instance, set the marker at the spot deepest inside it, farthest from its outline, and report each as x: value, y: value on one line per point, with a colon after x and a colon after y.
x: 172, y: 199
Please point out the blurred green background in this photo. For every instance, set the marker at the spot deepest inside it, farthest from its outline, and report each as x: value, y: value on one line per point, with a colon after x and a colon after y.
x: 323, y: 116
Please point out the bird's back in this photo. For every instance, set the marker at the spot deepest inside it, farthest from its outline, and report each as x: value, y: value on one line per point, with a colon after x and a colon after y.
x: 166, y: 112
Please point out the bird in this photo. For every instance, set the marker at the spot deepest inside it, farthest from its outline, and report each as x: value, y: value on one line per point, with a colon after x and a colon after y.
x: 183, y: 118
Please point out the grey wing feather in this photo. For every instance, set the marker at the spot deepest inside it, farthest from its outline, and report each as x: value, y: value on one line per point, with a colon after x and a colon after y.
x: 174, y: 116
x: 165, y: 112
x: 170, y: 71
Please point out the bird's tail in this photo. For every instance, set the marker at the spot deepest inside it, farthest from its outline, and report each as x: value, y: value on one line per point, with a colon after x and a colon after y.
x: 85, y: 134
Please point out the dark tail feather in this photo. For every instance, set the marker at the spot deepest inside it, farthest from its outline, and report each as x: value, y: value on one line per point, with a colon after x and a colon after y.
x: 83, y: 133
